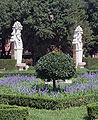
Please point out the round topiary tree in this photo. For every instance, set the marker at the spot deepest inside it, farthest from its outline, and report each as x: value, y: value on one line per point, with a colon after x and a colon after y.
x: 54, y: 66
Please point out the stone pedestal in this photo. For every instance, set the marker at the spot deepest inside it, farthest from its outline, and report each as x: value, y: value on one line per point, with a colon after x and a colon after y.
x: 76, y: 59
x: 81, y: 65
x: 22, y: 66
x: 17, y: 46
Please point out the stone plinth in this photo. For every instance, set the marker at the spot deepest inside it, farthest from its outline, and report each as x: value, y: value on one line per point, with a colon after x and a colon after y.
x: 81, y: 65
x: 22, y: 66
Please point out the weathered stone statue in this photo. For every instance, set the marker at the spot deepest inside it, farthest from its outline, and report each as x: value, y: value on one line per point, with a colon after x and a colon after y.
x: 16, y: 38
x: 18, y: 45
x: 78, y: 47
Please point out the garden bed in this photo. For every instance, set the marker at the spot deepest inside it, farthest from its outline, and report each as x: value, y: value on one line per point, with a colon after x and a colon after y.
x: 8, y: 112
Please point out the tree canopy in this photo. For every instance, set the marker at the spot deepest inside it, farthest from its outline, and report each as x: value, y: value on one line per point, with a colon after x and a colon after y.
x: 46, y: 23
x: 91, y: 8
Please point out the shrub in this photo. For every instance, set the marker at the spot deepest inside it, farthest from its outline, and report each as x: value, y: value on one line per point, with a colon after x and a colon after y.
x: 92, y: 110
x: 8, y: 64
x: 53, y: 66
x: 31, y: 68
x: 16, y: 72
x: 48, y: 103
x: 92, y: 71
x: 91, y: 63
x: 8, y: 112
x: 80, y: 71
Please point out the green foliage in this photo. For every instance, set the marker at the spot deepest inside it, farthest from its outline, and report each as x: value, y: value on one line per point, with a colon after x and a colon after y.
x: 49, y: 103
x: 55, y: 66
x: 31, y: 68
x: 93, y: 71
x: 91, y: 63
x: 16, y: 72
x: 39, y: 29
x: 91, y: 8
x: 8, y: 64
x: 8, y: 112
x: 80, y: 71
x: 92, y: 110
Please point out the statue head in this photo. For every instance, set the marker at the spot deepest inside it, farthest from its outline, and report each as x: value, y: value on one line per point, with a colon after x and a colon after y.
x: 17, y: 25
x: 77, y: 35
x: 79, y: 30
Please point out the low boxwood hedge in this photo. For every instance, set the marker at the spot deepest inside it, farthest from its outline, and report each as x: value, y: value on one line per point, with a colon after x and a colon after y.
x: 48, y: 103
x: 92, y: 110
x: 92, y: 71
x: 8, y: 64
x: 80, y: 71
x: 91, y: 63
x: 8, y: 112
x: 12, y: 73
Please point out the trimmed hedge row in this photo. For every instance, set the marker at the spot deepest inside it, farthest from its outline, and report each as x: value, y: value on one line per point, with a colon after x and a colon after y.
x: 91, y: 63
x: 92, y: 110
x: 8, y: 64
x: 92, y: 71
x: 8, y: 112
x: 48, y: 103
x: 28, y: 73
x: 80, y: 71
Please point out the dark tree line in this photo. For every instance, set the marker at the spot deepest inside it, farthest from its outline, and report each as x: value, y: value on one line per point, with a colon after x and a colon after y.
x: 49, y: 23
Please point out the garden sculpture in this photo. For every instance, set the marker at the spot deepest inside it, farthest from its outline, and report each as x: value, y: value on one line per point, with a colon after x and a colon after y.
x: 78, y: 50
x: 16, y: 38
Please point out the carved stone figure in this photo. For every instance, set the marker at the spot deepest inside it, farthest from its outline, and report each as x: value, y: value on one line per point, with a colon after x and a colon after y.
x: 16, y: 38
x: 78, y: 50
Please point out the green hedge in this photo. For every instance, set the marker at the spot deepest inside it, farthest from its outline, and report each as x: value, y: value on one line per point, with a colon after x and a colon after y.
x: 48, y: 103
x: 28, y: 73
x: 92, y: 110
x: 92, y: 71
x: 91, y: 63
x: 8, y: 112
x: 80, y: 71
x: 8, y: 64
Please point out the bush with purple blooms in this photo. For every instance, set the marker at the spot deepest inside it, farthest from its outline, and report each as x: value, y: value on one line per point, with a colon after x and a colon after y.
x: 30, y: 85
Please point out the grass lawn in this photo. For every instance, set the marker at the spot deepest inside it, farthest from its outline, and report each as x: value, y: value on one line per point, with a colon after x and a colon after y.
x: 77, y: 113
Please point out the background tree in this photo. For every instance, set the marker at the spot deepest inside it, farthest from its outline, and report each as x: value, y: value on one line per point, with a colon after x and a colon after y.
x: 9, y: 12
x: 45, y: 23
x: 91, y: 8
x: 54, y: 23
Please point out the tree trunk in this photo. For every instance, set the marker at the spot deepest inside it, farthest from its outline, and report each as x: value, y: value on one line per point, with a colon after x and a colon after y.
x: 54, y: 85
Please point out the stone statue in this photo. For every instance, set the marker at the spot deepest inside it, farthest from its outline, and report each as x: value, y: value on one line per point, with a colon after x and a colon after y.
x: 77, y: 41
x: 16, y: 38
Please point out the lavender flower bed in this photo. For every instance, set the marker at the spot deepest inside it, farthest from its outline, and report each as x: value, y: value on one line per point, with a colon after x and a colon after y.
x: 30, y: 85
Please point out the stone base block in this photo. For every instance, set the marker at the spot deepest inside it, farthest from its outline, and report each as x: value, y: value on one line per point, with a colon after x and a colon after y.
x: 81, y: 65
x: 22, y: 66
